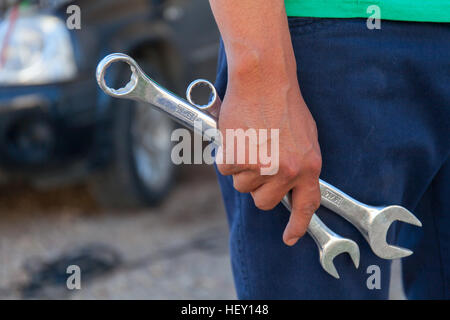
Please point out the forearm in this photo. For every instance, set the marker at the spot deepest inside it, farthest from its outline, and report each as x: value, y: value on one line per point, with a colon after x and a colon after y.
x: 256, y: 38
x: 263, y: 93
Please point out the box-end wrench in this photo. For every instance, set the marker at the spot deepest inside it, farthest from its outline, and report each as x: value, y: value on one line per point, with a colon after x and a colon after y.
x: 144, y: 89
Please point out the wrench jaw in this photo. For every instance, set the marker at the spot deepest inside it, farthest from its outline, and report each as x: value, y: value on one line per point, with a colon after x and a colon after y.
x: 379, y: 227
x: 334, y: 248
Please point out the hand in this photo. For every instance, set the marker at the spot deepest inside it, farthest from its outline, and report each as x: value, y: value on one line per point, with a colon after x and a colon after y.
x: 263, y: 93
x: 260, y: 96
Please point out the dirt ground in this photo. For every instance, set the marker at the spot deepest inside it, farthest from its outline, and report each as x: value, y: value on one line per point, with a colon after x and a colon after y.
x: 178, y: 250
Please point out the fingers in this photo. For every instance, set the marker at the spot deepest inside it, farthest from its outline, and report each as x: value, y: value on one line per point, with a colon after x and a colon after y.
x: 305, y: 201
x: 268, y: 191
x: 248, y: 181
x: 229, y: 162
x: 269, y: 195
x: 297, y: 171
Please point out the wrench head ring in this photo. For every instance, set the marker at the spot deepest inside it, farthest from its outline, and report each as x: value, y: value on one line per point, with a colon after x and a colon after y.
x: 334, y: 248
x: 103, y: 67
x: 379, y: 227
x: 197, y: 83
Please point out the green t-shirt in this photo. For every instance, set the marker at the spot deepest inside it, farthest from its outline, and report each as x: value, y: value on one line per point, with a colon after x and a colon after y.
x: 405, y: 10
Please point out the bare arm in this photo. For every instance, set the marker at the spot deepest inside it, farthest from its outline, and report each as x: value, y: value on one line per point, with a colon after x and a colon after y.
x: 263, y: 93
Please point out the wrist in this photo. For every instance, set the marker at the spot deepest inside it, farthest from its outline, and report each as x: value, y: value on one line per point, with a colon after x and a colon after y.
x: 262, y: 64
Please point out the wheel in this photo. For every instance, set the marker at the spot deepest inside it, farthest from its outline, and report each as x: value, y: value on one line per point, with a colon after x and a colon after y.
x: 141, y: 172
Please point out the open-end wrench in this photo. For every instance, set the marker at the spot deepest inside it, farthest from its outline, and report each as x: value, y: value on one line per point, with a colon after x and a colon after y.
x: 329, y: 243
x: 372, y: 222
x: 145, y: 89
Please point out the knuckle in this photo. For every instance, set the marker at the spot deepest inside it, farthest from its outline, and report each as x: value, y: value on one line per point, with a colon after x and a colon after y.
x: 314, y: 163
x: 240, y: 185
x: 261, y: 203
x: 229, y: 169
x: 265, y: 203
x: 224, y: 169
x: 315, y: 203
x: 309, y: 208
x: 290, y: 170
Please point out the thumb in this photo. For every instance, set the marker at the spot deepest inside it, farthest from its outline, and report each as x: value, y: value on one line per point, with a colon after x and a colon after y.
x: 299, y: 219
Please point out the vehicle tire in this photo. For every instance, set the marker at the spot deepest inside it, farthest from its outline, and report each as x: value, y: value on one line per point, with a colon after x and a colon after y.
x: 141, y: 172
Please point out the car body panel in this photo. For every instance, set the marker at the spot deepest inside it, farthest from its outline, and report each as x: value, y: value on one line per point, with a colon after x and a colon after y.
x: 180, y: 34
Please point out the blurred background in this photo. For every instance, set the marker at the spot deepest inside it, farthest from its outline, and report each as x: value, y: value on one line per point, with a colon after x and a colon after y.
x: 86, y: 179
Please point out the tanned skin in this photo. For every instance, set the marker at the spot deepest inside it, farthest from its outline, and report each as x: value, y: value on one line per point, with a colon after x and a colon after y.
x: 263, y: 93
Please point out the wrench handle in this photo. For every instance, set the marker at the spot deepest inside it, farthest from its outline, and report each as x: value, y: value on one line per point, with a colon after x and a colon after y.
x: 144, y: 89
x: 352, y: 210
x: 317, y: 229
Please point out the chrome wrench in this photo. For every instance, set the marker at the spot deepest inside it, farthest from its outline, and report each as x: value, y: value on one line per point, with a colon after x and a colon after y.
x: 329, y: 243
x: 144, y: 89
x: 372, y: 222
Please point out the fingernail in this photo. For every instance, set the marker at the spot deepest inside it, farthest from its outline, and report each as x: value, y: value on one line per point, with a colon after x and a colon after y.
x: 291, y: 241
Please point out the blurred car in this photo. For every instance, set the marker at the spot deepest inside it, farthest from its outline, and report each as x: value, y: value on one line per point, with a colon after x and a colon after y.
x: 56, y: 126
